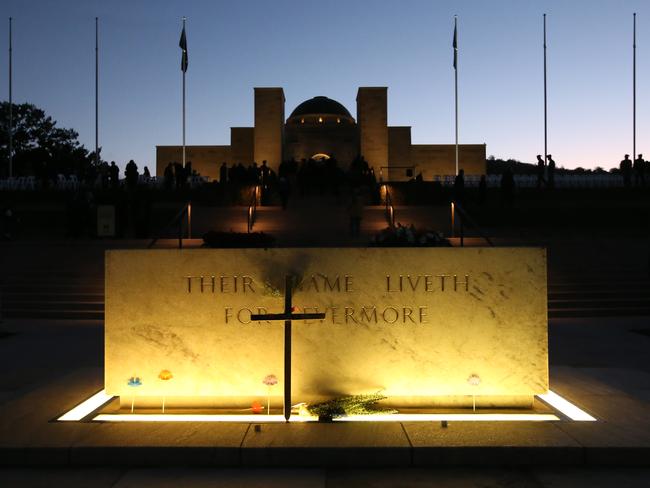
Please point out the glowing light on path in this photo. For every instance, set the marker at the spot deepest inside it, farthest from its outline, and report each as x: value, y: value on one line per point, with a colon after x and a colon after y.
x: 86, y: 407
x: 100, y: 398
x: 566, y: 407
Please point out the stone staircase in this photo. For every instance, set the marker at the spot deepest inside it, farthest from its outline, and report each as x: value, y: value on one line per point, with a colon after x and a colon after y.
x: 65, y: 295
x: 610, y: 293
x: 66, y: 280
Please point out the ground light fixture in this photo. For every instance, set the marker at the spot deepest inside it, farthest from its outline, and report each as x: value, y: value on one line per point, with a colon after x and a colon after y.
x: 85, y: 410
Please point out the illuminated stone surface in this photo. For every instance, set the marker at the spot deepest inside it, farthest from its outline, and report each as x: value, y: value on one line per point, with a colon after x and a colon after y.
x: 481, y: 329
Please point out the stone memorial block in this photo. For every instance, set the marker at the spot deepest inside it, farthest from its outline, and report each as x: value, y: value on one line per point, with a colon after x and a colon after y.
x: 427, y: 326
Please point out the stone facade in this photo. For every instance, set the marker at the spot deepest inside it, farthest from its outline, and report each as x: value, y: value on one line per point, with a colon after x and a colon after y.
x: 323, y: 127
x: 427, y: 327
x: 372, y: 117
x: 269, y: 125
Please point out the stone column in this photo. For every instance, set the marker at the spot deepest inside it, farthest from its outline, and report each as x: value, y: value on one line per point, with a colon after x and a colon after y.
x: 269, y: 126
x: 372, y: 119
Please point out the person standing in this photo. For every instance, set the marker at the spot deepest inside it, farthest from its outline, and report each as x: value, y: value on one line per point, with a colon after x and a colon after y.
x: 223, y: 173
x: 626, y: 171
x: 114, y: 175
x: 355, y: 211
x: 131, y: 174
x: 169, y: 177
x: 540, y: 170
x: 639, y: 171
x: 551, y: 171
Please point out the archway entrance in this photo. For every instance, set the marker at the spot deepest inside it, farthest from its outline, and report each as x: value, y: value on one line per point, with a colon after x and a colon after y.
x: 320, y: 157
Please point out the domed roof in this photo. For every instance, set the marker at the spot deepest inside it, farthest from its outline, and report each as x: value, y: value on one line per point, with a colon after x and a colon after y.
x: 320, y: 105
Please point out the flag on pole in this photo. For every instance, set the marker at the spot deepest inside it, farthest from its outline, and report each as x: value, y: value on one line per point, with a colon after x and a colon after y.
x: 455, y: 45
x: 183, y: 45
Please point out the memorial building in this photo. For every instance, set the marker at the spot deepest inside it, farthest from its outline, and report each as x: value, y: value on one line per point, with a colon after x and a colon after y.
x: 322, y: 128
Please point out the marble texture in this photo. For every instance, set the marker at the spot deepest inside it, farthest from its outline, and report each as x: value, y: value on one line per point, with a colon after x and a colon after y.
x: 486, y: 339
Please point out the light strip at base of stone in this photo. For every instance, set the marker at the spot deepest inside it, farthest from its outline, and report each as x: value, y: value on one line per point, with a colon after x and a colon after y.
x: 566, y: 407
x: 99, y: 399
x: 188, y: 417
x: 262, y: 419
x: 86, y: 407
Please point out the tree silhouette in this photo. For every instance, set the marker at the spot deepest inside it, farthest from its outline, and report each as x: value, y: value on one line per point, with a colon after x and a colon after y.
x: 40, y: 147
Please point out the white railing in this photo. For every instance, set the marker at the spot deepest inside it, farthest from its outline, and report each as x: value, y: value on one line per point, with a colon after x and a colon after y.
x: 71, y: 182
x: 530, y: 181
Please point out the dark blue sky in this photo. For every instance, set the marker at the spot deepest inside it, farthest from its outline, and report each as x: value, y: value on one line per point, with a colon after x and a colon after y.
x: 331, y: 48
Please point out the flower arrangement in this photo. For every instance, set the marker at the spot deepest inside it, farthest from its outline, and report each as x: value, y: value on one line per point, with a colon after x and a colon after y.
x: 474, y: 380
x: 165, y: 375
x: 402, y: 236
x: 349, y: 405
x: 134, y: 382
x: 270, y: 381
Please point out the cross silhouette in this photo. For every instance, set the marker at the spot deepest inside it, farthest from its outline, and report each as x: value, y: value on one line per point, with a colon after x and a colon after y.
x: 287, y: 316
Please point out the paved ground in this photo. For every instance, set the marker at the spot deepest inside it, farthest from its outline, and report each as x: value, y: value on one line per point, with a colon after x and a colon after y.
x: 598, y: 363
x: 335, y: 478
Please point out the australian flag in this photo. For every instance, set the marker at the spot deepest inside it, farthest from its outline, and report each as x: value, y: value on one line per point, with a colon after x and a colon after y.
x: 183, y: 45
x: 455, y: 45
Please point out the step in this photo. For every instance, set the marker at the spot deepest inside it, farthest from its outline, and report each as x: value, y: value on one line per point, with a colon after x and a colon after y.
x: 603, y: 303
x: 559, y: 295
x: 601, y: 312
x: 37, y: 305
x: 52, y: 289
x: 18, y: 313
x: 52, y: 297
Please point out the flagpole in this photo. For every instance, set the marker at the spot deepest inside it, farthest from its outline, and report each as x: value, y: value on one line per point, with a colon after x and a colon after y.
x: 545, y: 109
x: 11, y: 107
x: 456, y: 87
x: 97, y: 91
x: 183, y: 106
x: 634, y: 86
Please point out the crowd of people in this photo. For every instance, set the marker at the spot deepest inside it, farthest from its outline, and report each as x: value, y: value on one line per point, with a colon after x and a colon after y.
x: 308, y: 176
x: 639, y: 168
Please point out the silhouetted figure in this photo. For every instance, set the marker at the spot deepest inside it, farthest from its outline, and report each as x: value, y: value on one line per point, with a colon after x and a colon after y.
x: 232, y: 173
x: 482, y: 190
x: 508, y: 188
x: 254, y: 174
x: 626, y: 171
x: 91, y: 175
x: 264, y: 171
x: 146, y: 173
x: 131, y: 174
x: 179, y: 175
x: 188, y: 172
x: 355, y: 211
x: 114, y: 175
x: 169, y: 177
x: 551, y: 172
x: 540, y: 170
x: 284, y: 189
x: 639, y: 171
x: 104, y: 170
x: 459, y: 187
x: 223, y: 173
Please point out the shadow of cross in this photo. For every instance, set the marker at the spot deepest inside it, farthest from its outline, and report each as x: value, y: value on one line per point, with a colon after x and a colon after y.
x: 288, y: 317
